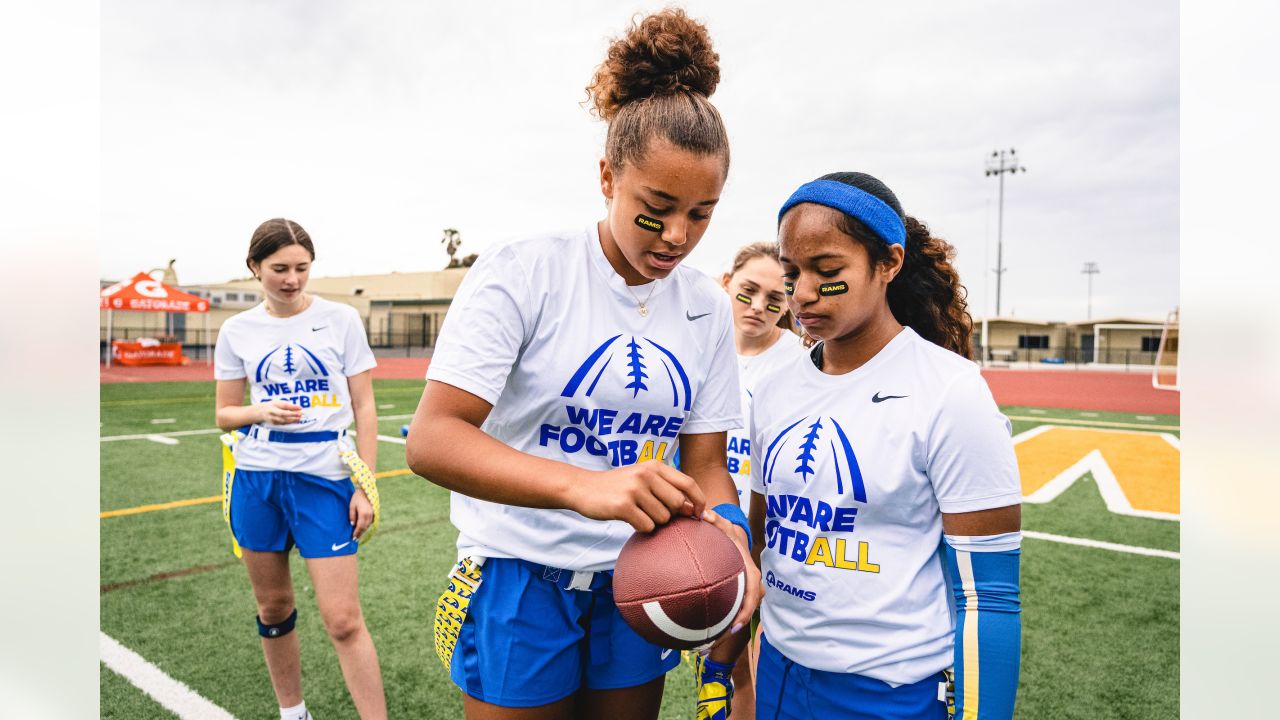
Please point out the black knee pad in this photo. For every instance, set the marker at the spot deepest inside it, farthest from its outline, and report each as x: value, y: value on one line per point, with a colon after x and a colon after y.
x: 280, y: 629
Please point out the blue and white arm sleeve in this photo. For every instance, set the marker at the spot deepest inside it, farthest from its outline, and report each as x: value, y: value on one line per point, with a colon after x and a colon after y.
x: 988, y: 649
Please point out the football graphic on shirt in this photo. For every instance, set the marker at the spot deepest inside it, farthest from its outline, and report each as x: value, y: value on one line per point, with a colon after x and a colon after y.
x: 814, y: 446
x: 289, y: 362
x: 633, y: 365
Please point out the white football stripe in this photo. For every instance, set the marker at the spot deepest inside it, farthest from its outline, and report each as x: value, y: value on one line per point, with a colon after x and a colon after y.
x: 172, y: 694
x: 659, y: 618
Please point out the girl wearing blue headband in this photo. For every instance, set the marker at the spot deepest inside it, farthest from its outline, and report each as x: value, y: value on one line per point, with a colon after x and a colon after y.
x: 886, y: 497
x: 570, y: 367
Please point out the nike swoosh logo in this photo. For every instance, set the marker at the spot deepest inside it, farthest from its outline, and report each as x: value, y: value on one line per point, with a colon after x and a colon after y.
x: 665, y: 653
x: 319, y: 328
x: 877, y: 399
x: 337, y: 547
x: 694, y: 317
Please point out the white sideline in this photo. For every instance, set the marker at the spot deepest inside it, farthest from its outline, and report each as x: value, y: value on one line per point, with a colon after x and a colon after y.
x: 173, y: 695
x: 1099, y: 544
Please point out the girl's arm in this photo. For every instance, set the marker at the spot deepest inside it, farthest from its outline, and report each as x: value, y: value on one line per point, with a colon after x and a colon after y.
x: 983, y: 554
x: 360, y: 386
x: 231, y: 412
x: 447, y: 446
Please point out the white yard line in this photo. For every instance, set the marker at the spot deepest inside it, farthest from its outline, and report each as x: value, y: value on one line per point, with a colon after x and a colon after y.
x: 208, y: 431
x: 1148, y: 418
x: 162, y: 439
x: 173, y: 695
x: 1099, y: 544
x: 148, y: 436
x: 388, y: 406
x: 163, y: 421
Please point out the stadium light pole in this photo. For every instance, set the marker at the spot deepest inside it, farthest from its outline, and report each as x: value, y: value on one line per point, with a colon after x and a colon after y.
x: 1090, y: 269
x: 999, y: 163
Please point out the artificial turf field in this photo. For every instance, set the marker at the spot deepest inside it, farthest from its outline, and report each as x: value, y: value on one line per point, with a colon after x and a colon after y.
x: 1100, y: 626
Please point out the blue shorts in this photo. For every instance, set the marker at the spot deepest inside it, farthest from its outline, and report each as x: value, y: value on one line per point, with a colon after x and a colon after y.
x: 521, y: 639
x: 786, y: 690
x: 272, y: 510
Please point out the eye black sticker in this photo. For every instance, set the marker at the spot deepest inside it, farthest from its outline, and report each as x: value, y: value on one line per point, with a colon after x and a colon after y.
x: 773, y: 308
x: 838, y: 287
x: 649, y: 223
x: 743, y: 299
x: 788, y: 287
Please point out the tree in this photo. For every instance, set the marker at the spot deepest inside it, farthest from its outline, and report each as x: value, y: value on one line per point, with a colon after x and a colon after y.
x: 452, y: 239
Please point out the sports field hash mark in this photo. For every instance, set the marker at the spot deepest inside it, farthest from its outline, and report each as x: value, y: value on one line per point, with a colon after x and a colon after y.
x: 1136, y: 473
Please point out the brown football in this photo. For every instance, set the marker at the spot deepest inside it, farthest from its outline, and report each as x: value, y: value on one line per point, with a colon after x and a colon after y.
x: 681, y: 585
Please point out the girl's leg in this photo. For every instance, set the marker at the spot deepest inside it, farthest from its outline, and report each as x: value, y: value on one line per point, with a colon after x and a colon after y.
x: 480, y: 710
x: 337, y: 594
x: 744, y: 687
x: 641, y: 702
x: 273, y: 591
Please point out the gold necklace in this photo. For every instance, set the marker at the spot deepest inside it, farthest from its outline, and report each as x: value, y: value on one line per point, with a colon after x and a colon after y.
x: 642, y: 305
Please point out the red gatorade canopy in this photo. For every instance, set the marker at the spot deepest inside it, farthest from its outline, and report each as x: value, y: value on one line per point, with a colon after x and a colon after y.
x: 146, y: 293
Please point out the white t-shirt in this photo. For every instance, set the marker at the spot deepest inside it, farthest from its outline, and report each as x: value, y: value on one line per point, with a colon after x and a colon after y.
x: 751, y: 370
x: 304, y: 359
x: 856, y: 469
x: 545, y: 330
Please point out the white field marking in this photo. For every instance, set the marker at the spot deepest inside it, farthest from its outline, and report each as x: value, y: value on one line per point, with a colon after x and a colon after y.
x: 1088, y: 414
x: 173, y: 695
x: 1035, y: 411
x: 208, y: 431
x: 388, y: 406
x: 163, y: 421
x: 1148, y: 418
x: 1112, y: 494
x: 162, y: 440
x: 148, y: 436
x: 1114, y: 547
x: 1107, y: 424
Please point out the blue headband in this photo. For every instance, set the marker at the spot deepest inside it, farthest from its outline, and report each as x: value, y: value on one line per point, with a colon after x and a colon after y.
x: 860, y: 204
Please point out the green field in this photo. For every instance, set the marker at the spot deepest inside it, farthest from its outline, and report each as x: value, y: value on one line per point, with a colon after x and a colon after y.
x: 1100, y: 628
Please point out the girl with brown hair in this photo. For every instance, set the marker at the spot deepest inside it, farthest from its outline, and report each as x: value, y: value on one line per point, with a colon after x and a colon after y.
x: 570, y: 367
x: 308, y: 367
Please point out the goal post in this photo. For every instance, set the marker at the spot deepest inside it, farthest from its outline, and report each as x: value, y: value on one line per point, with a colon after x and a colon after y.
x: 1165, y: 374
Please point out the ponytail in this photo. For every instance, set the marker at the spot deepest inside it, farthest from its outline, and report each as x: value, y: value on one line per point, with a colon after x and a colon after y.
x: 927, y: 296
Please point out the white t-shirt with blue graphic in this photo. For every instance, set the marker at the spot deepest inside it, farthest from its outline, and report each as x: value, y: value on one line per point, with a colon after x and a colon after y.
x: 856, y: 470
x: 304, y: 359
x: 545, y: 330
x: 751, y: 371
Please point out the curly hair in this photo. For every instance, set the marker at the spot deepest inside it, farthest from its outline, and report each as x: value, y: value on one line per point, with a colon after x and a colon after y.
x: 655, y: 81
x: 926, y: 295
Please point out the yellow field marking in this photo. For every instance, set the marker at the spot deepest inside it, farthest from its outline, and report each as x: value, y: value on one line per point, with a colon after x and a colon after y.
x: 1136, y: 473
x: 208, y: 500
x: 1097, y: 423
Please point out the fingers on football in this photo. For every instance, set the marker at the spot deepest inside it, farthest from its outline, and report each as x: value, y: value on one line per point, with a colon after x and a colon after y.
x: 685, y: 484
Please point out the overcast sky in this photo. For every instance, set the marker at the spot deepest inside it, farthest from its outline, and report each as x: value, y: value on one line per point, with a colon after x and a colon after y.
x: 377, y: 124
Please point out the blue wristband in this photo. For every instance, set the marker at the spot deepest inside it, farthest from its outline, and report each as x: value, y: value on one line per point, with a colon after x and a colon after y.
x: 734, y: 514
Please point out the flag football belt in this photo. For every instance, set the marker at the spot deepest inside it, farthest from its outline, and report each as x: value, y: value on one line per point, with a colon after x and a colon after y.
x: 361, y: 475
x: 280, y: 436
x: 570, y: 579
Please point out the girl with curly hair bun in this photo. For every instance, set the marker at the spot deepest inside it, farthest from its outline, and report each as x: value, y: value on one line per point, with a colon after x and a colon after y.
x: 570, y: 368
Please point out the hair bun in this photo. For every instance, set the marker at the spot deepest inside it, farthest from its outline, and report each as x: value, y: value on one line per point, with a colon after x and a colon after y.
x: 663, y: 54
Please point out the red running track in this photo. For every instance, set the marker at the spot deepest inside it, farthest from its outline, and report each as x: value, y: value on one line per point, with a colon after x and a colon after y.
x: 1073, y: 390
x: 1081, y: 390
